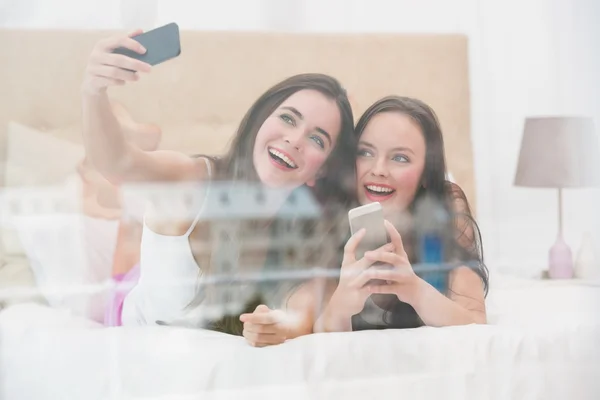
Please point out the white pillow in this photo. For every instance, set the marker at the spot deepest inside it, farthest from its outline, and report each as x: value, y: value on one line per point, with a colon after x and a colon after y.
x: 35, y: 158
x: 65, y: 249
x: 71, y: 256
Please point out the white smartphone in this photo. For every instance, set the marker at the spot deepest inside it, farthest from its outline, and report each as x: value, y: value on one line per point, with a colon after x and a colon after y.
x: 370, y: 217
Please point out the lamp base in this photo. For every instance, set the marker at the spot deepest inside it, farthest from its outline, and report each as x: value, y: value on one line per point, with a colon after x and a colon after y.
x: 560, y: 260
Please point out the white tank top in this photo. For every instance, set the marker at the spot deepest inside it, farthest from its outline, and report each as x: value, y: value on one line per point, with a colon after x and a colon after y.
x: 169, y: 275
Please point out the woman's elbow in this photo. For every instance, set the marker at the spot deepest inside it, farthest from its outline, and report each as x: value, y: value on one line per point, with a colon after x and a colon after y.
x: 478, y: 317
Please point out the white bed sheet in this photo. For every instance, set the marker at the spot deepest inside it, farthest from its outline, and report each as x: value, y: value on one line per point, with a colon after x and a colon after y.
x: 49, y: 354
x: 542, y: 344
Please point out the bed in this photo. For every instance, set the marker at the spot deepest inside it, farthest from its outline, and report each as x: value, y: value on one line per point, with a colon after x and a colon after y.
x: 541, y: 342
x: 49, y: 354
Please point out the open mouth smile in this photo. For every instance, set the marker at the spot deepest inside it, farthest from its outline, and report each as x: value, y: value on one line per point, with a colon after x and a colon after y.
x: 378, y: 192
x: 281, y: 159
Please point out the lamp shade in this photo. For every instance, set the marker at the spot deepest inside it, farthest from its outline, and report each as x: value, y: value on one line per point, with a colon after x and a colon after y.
x: 558, y: 152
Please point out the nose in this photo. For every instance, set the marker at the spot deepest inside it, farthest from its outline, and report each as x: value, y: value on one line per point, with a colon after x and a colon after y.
x: 380, y: 167
x: 295, y: 138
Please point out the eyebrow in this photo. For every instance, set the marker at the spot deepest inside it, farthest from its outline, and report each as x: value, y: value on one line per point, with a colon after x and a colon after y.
x: 367, y: 144
x: 299, y: 115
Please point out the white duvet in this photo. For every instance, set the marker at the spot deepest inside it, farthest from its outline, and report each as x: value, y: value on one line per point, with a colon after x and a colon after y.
x: 551, y: 353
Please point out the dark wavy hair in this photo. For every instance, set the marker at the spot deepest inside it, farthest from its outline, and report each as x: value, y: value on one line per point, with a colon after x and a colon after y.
x: 463, y: 241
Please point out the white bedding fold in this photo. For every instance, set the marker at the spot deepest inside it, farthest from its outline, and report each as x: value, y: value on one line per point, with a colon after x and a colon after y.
x: 47, y: 354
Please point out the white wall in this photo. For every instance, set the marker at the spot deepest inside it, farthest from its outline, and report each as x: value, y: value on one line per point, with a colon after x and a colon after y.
x: 526, y: 57
x: 539, y: 56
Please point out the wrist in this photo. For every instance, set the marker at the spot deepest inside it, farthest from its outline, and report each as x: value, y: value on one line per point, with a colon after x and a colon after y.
x: 418, y: 293
x: 335, y: 318
x: 88, y: 92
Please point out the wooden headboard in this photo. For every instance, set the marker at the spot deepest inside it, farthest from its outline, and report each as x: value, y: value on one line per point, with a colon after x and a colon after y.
x: 198, y: 98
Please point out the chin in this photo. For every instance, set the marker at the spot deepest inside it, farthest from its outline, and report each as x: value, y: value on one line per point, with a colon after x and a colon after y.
x: 268, y: 179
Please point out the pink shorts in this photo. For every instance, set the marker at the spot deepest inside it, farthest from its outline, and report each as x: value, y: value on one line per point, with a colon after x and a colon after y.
x: 114, y: 308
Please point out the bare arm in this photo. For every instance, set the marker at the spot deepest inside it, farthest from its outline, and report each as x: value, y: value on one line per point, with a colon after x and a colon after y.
x: 335, y: 316
x: 103, y: 136
x: 304, y: 307
x: 118, y: 159
x: 465, y: 302
x: 347, y: 296
x: 266, y: 327
x: 464, y: 305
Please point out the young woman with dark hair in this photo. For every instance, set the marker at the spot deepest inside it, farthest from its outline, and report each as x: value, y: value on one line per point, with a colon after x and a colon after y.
x: 401, y: 164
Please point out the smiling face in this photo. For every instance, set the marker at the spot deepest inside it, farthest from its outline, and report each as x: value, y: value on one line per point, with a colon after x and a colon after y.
x: 390, y: 161
x: 295, y: 140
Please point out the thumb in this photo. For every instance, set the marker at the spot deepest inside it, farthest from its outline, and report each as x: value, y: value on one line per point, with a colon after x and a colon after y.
x: 262, y: 309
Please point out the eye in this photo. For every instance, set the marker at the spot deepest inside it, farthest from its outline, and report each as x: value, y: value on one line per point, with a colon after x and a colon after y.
x: 317, y: 139
x: 364, y: 153
x: 400, y: 158
x: 288, y: 119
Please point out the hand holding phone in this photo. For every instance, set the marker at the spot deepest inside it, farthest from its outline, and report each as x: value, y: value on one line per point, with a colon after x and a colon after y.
x: 119, y: 59
x: 369, y: 217
x: 161, y: 44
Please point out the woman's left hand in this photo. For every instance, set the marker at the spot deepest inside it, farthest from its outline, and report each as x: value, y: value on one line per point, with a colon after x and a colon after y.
x: 398, y: 274
x: 265, y: 327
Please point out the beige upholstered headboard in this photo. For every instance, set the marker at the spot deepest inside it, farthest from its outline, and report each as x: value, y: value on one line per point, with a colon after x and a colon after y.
x: 198, y: 98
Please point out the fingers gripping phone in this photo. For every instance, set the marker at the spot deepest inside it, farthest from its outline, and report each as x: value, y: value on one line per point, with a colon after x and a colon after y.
x: 370, y: 217
x: 161, y: 44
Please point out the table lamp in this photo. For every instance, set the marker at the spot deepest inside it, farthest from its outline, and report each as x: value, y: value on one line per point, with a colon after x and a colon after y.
x: 559, y: 153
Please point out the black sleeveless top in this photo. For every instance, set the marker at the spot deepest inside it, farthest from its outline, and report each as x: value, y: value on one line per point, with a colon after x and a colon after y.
x: 398, y: 315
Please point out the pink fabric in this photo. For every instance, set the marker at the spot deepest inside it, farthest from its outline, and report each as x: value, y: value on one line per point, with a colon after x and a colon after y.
x: 125, y: 282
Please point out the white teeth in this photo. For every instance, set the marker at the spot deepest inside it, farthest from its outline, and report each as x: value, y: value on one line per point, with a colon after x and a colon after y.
x: 379, y: 189
x: 285, y: 158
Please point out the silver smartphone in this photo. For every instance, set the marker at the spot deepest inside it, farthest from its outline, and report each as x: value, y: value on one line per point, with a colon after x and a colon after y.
x: 370, y: 217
